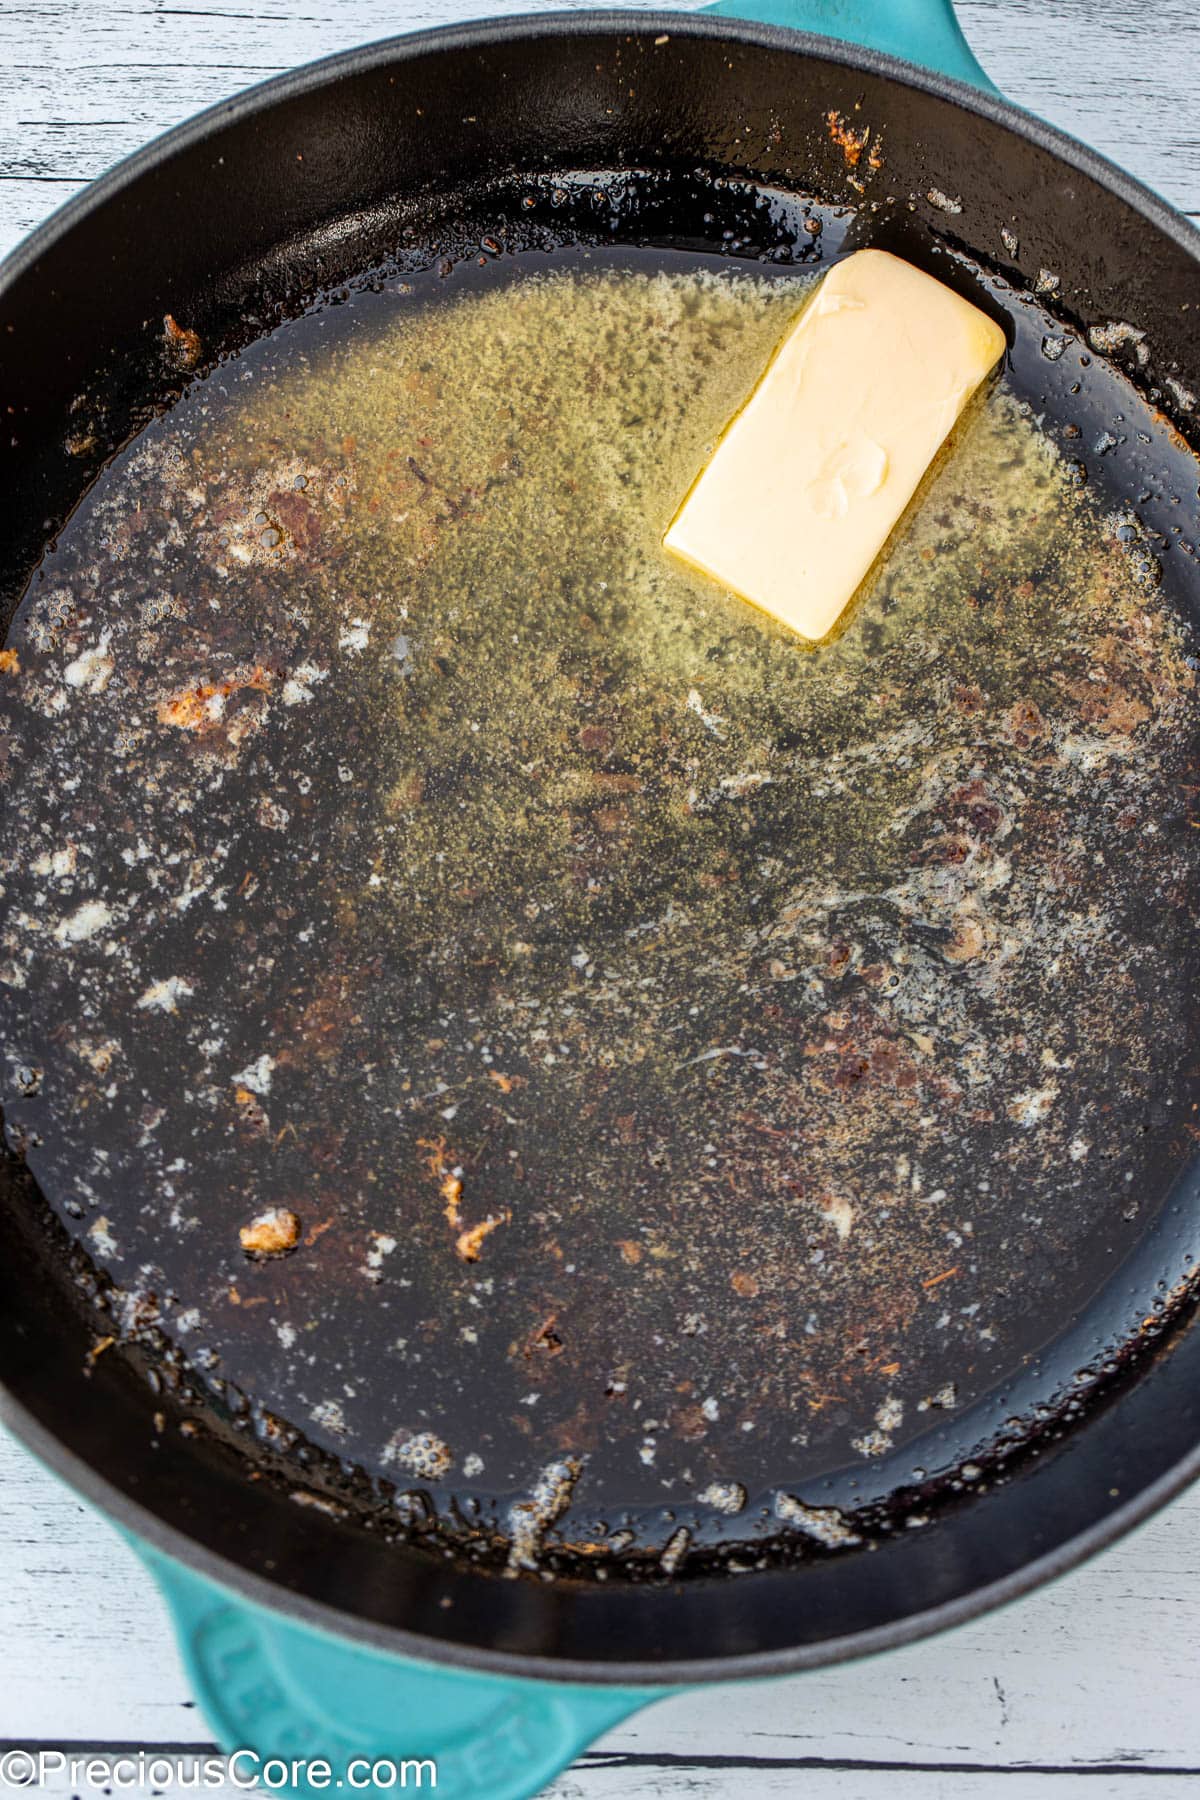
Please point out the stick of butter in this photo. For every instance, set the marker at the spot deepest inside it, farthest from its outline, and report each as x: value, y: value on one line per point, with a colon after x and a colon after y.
x: 810, y: 478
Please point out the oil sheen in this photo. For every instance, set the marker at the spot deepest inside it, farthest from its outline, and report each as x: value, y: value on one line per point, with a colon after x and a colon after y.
x: 694, y: 1061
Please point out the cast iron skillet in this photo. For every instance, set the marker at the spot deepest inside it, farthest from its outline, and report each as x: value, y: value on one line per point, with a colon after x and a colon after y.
x: 283, y: 191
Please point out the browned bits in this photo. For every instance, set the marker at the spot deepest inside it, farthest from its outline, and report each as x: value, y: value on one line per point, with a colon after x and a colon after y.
x: 193, y: 708
x: 966, y: 941
x: 183, y: 346
x: 631, y: 1250
x: 451, y: 1192
x: 745, y: 1283
x: 272, y: 1233
x: 450, y: 1184
x: 545, y: 1341
x: 469, y: 1243
x: 1108, y: 705
x: 851, y: 143
x: 10, y: 663
x: 1025, y: 723
x: 470, y: 1240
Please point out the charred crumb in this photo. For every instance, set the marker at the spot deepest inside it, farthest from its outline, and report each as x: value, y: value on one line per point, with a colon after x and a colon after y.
x: 272, y: 1233
x: 181, y: 345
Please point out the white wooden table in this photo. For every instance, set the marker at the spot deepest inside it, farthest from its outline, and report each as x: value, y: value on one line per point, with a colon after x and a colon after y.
x: 1090, y: 1688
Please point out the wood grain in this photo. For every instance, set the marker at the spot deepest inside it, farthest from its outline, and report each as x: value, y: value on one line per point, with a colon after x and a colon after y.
x: 1087, y: 1688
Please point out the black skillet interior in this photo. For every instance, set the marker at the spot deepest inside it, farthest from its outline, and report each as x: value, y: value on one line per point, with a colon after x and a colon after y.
x: 231, y: 227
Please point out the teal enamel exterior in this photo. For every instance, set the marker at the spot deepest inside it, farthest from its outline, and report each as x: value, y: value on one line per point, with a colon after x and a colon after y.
x: 919, y: 31
x: 278, y: 1688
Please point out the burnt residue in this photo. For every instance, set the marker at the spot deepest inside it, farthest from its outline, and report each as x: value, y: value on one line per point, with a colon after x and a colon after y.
x: 680, y: 1061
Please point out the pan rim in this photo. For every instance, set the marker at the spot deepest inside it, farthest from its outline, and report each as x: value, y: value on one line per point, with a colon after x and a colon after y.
x: 50, y: 1449
x: 612, y: 21
x: 396, y: 1640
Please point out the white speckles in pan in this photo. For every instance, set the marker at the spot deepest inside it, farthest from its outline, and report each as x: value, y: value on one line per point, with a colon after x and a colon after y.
x: 826, y: 1524
x: 102, y: 1237
x: 946, y: 203
x: 728, y: 1497
x: 840, y: 1214
x: 354, y: 636
x: 529, y: 1520
x: 164, y: 996
x: 381, y: 1246
x: 674, y: 1550
x: 712, y: 722
x: 58, y: 865
x: 257, y: 1075
x: 1030, y: 1108
x: 272, y: 816
x: 889, y: 1416
x: 1119, y: 334
x: 84, y: 923
x: 299, y: 686
x: 419, y: 1453
x: 92, y: 668
x: 331, y: 1415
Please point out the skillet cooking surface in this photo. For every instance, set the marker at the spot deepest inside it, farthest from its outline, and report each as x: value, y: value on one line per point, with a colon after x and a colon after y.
x: 1134, y: 1048
x: 691, y: 1061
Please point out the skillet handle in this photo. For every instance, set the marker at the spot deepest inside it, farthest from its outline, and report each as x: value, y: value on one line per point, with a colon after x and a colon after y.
x: 273, y: 1687
x: 925, y: 32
